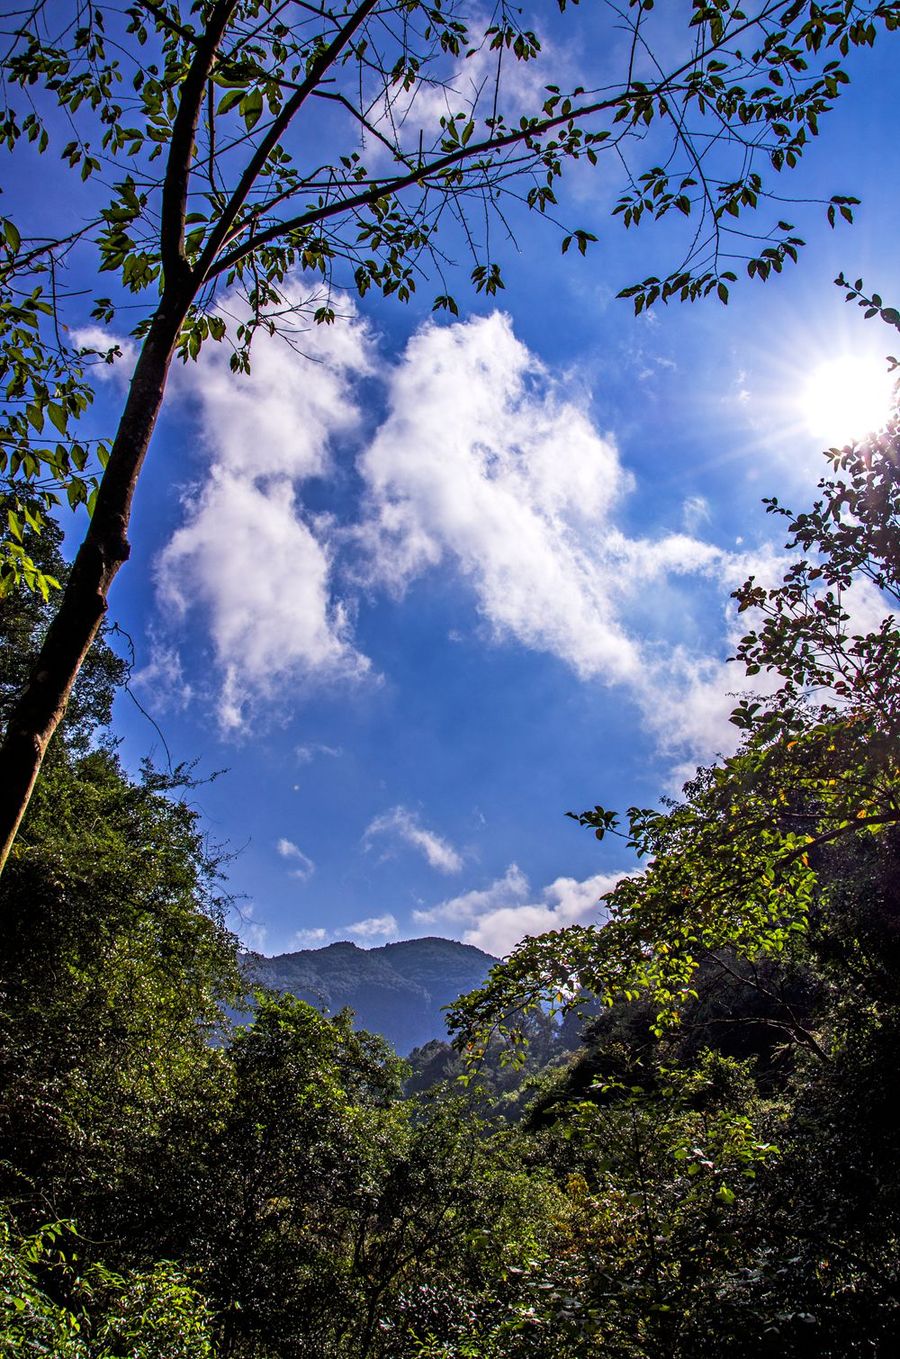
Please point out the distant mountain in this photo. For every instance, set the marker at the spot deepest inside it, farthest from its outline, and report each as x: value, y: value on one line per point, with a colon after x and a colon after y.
x: 397, y: 990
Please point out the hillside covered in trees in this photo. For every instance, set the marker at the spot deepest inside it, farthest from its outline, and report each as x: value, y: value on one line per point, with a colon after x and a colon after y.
x: 399, y: 990
x: 700, y: 1157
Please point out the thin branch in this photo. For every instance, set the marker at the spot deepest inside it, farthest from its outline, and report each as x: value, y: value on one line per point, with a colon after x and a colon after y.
x: 317, y: 70
x: 489, y: 146
x: 800, y: 1030
x: 846, y: 829
x: 161, y: 17
x: 361, y: 118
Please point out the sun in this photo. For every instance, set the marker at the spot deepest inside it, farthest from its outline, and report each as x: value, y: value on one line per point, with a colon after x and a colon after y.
x: 846, y: 398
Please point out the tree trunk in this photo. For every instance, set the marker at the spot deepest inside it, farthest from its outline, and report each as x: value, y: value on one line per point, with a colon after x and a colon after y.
x: 41, y: 706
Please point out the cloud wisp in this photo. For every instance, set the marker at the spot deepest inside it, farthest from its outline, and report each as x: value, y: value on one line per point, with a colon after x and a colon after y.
x: 400, y: 824
x: 312, y: 938
x: 695, y: 512
x: 374, y: 927
x: 305, y: 754
x: 368, y: 933
x: 302, y: 865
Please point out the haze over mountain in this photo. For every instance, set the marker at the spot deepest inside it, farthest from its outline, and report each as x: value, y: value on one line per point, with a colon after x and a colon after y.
x: 398, y: 990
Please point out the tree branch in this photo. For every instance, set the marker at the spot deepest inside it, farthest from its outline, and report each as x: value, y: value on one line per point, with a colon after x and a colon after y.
x: 799, y: 1030
x: 184, y: 131
x: 394, y: 186
x: 160, y: 17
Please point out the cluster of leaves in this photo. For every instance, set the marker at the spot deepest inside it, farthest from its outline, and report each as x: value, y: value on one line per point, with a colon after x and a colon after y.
x: 45, y: 390
x: 871, y: 306
x: 152, y: 1314
x: 23, y: 618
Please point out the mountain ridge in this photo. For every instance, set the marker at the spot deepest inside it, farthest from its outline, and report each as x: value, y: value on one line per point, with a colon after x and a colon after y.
x: 398, y: 990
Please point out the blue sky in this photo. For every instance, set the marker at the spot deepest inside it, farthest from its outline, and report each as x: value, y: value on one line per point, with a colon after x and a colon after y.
x: 428, y: 584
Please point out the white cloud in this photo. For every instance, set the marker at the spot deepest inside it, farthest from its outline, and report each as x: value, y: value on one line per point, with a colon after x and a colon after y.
x: 686, y: 702
x: 247, y: 554
x: 517, y: 492
x: 305, y: 866
x: 372, y: 928
x: 866, y: 606
x: 306, y: 938
x: 262, y: 576
x: 695, y: 512
x: 513, y: 886
x: 521, y: 493
x: 375, y: 927
x: 404, y: 825
x: 685, y: 698
x: 497, y: 917
x: 278, y: 419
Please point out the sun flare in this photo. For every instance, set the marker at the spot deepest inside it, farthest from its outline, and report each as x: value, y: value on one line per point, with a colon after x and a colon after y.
x: 846, y: 398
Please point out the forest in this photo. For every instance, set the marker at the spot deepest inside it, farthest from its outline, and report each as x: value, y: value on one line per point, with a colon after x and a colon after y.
x: 669, y: 1134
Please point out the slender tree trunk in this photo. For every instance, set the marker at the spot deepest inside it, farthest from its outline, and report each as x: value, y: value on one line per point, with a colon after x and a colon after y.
x: 42, y: 704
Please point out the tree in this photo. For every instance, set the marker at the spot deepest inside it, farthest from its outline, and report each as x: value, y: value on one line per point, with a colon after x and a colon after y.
x: 115, y: 963
x: 764, y: 928
x: 245, y: 142
x: 114, y: 958
x: 735, y: 870
x: 327, y: 1214
x: 288, y: 1168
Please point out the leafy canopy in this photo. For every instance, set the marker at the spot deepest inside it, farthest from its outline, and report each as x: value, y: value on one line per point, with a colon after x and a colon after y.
x: 366, y: 145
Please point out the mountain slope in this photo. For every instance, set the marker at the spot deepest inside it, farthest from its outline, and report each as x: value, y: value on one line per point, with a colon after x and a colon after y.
x: 397, y: 990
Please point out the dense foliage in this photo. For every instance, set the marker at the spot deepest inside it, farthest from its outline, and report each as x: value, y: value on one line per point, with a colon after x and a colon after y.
x: 700, y: 1157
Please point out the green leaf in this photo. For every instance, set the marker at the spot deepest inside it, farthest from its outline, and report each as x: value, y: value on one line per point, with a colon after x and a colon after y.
x: 58, y: 416
x: 11, y: 233
x: 251, y: 107
x: 229, y: 100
